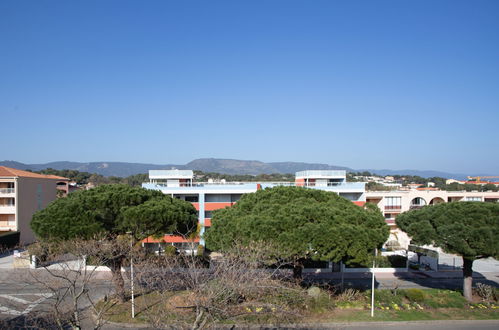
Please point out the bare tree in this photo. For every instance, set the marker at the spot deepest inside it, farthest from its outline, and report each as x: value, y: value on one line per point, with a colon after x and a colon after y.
x: 239, y: 284
x: 75, y: 288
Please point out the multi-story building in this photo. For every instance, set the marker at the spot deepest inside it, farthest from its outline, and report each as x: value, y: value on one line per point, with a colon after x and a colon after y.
x: 22, y: 193
x: 394, y: 202
x: 210, y: 196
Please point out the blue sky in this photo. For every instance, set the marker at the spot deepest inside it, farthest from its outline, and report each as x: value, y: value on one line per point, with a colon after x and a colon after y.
x: 365, y: 84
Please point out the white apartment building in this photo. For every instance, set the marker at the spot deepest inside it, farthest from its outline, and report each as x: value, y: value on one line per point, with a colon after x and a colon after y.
x: 210, y: 196
x: 22, y: 193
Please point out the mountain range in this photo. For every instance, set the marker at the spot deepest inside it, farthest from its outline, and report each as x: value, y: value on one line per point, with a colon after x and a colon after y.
x: 226, y: 166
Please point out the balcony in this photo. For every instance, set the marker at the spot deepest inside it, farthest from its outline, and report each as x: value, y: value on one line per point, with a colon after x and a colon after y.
x: 393, y: 207
x: 7, y: 225
x: 321, y: 174
x: 253, y: 186
x: 7, y: 209
x: 7, y: 191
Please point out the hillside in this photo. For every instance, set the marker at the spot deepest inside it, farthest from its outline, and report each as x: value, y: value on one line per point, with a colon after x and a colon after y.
x: 223, y: 166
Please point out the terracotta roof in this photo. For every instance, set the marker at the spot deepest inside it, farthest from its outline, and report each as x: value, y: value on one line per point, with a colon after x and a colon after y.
x: 13, y: 172
x: 170, y: 239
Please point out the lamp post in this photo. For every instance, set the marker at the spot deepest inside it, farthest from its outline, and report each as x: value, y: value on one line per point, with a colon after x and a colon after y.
x: 131, y: 274
x: 372, y: 284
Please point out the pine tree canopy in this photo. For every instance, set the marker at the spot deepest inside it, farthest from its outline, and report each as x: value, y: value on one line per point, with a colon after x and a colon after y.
x: 300, y: 223
x: 112, y: 210
x: 469, y: 229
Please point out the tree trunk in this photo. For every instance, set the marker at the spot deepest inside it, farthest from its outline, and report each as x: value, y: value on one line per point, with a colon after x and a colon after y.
x: 467, y: 278
x: 119, y: 283
x: 297, y: 270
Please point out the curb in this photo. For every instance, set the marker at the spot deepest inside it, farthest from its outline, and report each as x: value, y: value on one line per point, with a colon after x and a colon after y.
x: 311, y: 326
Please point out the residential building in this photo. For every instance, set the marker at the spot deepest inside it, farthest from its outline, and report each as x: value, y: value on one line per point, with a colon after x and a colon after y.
x: 394, y: 202
x: 210, y: 196
x: 22, y: 193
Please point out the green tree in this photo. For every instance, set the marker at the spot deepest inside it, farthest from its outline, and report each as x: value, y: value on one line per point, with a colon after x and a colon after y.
x: 112, y: 213
x: 302, y: 224
x: 469, y: 229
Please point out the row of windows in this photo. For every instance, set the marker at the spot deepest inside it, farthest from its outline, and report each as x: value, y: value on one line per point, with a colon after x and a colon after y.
x: 211, y: 198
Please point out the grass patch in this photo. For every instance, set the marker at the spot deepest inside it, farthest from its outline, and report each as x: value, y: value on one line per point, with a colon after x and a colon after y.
x: 349, y: 306
x: 405, y: 315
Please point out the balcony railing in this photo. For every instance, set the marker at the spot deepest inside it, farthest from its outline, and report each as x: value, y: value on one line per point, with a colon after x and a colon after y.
x: 7, y: 190
x: 321, y: 173
x: 204, y: 184
x: 393, y: 207
x: 8, y: 209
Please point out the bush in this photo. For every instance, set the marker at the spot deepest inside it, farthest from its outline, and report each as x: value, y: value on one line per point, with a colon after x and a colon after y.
x: 170, y: 250
x: 385, y: 297
x: 415, y: 295
x: 397, y: 261
x: 393, y: 261
x: 200, y: 250
x: 486, y: 292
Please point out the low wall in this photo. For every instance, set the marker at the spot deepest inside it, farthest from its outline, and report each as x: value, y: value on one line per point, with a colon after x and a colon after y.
x: 375, y: 270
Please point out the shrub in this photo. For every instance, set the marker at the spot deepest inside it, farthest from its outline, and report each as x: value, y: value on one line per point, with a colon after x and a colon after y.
x: 385, y: 297
x: 349, y: 295
x: 200, y: 250
x: 397, y: 261
x: 486, y: 292
x: 415, y: 295
x: 393, y: 261
x: 414, y: 266
x: 170, y: 250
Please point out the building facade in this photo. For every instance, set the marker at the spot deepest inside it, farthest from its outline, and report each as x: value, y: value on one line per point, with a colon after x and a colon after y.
x: 22, y: 193
x: 392, y: 203
x: 210, y: 196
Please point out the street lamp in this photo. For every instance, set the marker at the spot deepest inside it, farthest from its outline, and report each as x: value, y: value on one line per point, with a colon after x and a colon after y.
x: 372, y: 284
x: 131, y: 273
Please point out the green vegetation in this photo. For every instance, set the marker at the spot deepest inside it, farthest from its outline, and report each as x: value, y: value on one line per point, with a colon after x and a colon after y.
x: 109, y: 212
x: 348, y: 306
x: 278, y: 177
x: 301, y: 224
x: 469, y: 229
x: 82, y: 178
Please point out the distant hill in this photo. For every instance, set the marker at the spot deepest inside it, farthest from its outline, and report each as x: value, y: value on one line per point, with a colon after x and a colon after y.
x: 121, y: 169
x: 224, y: 166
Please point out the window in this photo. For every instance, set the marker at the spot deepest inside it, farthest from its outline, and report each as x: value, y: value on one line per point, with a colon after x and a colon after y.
x: 235, y: 197
x: 393, y: 203
x: 218, y: 198
x: 473, y: 199
x: 208, y: 214
x: 192, y: 199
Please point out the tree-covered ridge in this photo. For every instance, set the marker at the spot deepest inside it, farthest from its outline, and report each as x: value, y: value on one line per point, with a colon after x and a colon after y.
x: 83, y: 178
x: 275, y: 177
x: 301, y: 223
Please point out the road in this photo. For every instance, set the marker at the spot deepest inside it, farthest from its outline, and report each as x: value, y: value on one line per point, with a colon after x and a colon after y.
x: 25, y: 293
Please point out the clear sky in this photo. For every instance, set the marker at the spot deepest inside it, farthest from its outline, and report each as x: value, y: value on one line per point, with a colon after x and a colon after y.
x: 365, y: 84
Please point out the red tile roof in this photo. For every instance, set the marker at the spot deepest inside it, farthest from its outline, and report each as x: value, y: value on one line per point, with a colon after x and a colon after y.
x: 13, y: 172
